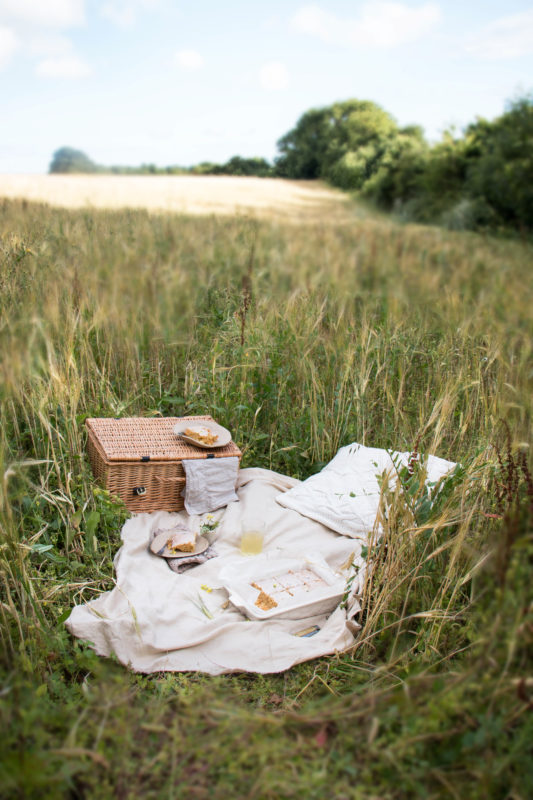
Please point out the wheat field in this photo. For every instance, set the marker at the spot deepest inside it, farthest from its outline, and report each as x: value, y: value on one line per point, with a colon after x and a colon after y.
x: 187, y: 194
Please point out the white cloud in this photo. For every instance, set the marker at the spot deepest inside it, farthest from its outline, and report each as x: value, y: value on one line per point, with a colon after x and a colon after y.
x: 35, y: 28
x: 70, y: 67
x: 508, y: 37
x: 189, y: 60
x: 45, y: 13
x: 124, y: 13
x: 120, y: 14
x: 315, y: 21
x: 8, y: 45
x: 48, y: 43
x: 274, y: 76
x: 379, y: 24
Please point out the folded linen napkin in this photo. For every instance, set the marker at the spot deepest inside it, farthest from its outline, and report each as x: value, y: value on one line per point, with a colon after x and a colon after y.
x: 210, y: 483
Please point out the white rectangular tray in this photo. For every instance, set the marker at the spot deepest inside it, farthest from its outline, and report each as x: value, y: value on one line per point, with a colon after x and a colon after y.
x: 302, y: 587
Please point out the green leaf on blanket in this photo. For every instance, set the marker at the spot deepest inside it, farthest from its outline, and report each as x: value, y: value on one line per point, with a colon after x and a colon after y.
x: 135, y: 621
x: 349, y: 583
x: 201, y: 606
x: 97, y: 613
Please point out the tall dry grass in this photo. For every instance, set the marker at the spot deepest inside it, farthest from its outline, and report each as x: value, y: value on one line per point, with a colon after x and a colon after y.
x: 300, y: 340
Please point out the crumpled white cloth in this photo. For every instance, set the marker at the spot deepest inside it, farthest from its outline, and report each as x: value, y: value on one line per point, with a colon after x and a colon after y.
x: 210, y: 483
x: 153, y: 619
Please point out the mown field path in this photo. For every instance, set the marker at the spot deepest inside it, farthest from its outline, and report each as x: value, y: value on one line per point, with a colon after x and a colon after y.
x: 189, y: 194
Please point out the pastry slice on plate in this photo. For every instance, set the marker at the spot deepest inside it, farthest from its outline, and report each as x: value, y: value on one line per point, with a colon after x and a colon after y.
x: 201, y: 434
x: 181, y: 540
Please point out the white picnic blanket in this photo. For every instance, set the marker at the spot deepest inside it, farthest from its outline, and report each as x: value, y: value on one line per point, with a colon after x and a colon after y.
x: 153, y: 619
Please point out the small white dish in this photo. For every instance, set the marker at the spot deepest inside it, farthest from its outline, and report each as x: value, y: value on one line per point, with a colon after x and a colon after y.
x: 158, y: 546
x: 223, y: 435
x: 294, y: 599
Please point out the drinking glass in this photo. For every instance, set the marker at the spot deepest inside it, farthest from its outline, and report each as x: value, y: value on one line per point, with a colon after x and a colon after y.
x: 252, y: 538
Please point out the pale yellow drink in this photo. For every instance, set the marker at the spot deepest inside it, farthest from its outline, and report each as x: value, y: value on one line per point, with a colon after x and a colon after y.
x: 251, y: 542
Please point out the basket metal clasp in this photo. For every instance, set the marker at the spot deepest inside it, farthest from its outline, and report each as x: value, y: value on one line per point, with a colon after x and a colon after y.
x: 139, y: 491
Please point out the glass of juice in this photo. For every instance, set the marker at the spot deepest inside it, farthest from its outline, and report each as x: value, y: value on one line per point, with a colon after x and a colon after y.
x: 252, y: 538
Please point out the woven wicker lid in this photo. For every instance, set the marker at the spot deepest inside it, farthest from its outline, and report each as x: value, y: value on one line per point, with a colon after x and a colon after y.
x: 140, y: 438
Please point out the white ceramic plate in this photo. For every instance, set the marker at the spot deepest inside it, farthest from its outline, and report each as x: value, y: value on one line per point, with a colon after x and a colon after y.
x: 159, y: 546
x: 224, y: 436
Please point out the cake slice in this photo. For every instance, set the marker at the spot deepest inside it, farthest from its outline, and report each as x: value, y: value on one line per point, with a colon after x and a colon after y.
x: 201, y: 434
x: 182, y: 541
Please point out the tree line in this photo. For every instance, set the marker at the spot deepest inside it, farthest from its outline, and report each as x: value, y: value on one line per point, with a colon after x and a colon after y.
x: 68, y: 160
x: 481, y: 178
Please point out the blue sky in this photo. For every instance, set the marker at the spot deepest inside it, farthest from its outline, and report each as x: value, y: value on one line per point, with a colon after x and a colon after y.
x: 170, y: 82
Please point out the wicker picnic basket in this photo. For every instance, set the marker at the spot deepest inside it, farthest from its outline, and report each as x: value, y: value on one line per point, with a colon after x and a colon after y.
x: 140, y: 460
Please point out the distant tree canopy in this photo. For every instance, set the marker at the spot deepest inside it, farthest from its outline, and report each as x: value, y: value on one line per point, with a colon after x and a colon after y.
x: 500, y: 163
x: 344, y: 143
x: 303, y: 149
x: 66, y: 159
x: 482, y: 178
x: 236, y: 166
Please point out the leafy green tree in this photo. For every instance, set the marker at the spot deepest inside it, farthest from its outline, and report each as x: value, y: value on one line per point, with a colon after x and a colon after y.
x: 67, y: 159
x: 502, y: 171
x: 303, y: 149
x: 207, y: 168
x: 342, y: 143
x: 442, y: 184
x: 237, y: 165
x: 361, y: 131
x: 247, y: 166
x: 397, y: 182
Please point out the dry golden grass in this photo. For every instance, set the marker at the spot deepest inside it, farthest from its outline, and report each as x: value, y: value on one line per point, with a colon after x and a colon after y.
x: 190, y: 194
x: 299, y: 339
